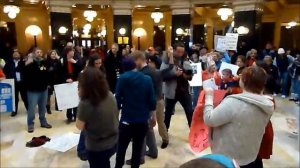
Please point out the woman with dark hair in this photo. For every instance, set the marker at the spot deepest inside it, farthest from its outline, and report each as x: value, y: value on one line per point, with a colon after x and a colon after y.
x: 54, y: 68
x: 96, y: 61
x: 234, y: 126
x: 98, y: 117
x: 93, y: 61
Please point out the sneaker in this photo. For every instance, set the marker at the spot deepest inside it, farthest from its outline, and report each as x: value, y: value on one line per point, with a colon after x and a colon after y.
x: 46, y: 126
x: 13, y: 114
x: 164, y: 144
x: 128, y: 162
x: 283, y: 96
x: 30, y: 129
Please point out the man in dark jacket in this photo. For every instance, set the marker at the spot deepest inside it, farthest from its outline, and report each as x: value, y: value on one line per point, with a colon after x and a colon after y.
x: 136, y: 98
x: 113, y: 66
x: 272, y: 76
x: 14, y: 69
x: 282, y: 62
x: 36, y: 82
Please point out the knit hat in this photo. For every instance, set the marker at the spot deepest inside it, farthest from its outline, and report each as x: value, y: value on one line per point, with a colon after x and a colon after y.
x: 281, y: 51
x: 128, y: 64
x: 224, y: 160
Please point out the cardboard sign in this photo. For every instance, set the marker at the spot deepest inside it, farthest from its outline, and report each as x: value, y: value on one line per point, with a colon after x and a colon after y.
x: 197, y: 78
x: 199, y: 132
x: 7, y: 95
x: 233, y: 68
x: 66, y: 95
x: 231, y: 41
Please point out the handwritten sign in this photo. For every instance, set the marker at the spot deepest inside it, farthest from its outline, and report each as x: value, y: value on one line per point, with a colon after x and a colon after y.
x: 210, y: 83
x: 233, y: 68
x: 197, y: 78
x: 7, y: 95
x: 224, y: 43
x: 67, y: 95
x: 63, y: 143
x: 220, y: 43
x: 199, y: 133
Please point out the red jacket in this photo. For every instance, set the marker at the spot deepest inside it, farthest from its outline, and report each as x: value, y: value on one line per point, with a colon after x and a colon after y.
x: 266, y: 145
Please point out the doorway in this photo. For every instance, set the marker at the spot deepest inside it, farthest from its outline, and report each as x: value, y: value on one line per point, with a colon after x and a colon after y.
x: 159, y: 38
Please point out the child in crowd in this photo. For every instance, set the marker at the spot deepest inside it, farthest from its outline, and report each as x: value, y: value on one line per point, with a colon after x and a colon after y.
x: 229, y: 83
x: 215, y: 56
x: 211, y: 72
x: 294, y: 72
x: 241, y: 62
x: 272, y: 76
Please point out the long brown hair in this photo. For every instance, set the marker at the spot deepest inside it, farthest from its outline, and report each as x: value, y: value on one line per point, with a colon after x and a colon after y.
x: 92, y: 85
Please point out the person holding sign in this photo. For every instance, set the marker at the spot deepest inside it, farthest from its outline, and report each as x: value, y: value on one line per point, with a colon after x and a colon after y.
x: 176, y: 86
x: 36, y: 79
x: 234, y: 126
x: 71, y: 69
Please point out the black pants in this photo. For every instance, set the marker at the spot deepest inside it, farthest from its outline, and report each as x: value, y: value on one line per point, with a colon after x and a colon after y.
x: 20, y: 88
x: 48, y: 106
x: 100, y: 159
x: 256, y: 164
x: 135, y: 132
x: 72, y: 113
x: 185, y: 101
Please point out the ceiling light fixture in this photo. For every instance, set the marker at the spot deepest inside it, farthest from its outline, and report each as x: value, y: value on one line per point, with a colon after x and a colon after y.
x: 225, y: 12
x: 157, y: 15
x: 62, y: 30
x: 89, y: 15
x: 11, y: 11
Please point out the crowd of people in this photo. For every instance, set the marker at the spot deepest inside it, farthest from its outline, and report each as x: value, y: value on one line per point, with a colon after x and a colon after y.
x: 145, y: 87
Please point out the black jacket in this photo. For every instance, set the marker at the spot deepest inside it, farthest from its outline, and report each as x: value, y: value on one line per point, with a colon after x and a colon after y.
x: 10, y: 69
x: 77, y: 67
x: 113, y: 66
x: 54, y: 68
x: 36, y: 76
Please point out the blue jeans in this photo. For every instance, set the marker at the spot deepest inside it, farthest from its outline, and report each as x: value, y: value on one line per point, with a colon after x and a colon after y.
x: 81, y: 150
x: 196, y: 91
x: 40, y: 99
x: 100, y: 159
x: 295, y: 88
x: 284, y: 79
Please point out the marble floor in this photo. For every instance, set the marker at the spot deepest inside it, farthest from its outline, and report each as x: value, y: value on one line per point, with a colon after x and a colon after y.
x: 15, y: 154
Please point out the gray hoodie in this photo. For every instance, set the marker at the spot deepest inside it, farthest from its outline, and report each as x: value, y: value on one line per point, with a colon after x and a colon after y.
x: 238, y: 125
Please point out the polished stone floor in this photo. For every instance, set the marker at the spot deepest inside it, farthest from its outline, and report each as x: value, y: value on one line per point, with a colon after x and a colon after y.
x: 15, y: 154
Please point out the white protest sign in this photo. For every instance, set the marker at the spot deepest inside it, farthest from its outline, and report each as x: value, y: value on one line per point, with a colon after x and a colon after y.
x: 63, y: 143
x: 210, y: 83
x: 197, y: 78
x: 233, y: 68
x: 220, y: 43
x: 231, y: 41
x: 67, y: 95
x: 7, y: 95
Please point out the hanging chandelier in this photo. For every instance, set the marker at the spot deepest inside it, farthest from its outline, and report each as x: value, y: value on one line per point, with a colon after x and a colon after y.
x: 89, y: 15
x: 156, y: 16
x: 225, y: 12
x: 11, y: 11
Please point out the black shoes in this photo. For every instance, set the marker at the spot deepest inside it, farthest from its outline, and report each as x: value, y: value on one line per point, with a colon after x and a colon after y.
x: 13, y: 114
x: 164, y: 144
x: 30, y: 129
x: 82, y: 157
x: 128, y: 162
x: 151, y: 156
x: 46, y: 126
